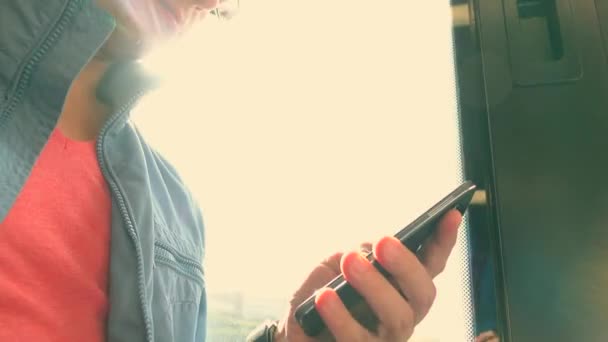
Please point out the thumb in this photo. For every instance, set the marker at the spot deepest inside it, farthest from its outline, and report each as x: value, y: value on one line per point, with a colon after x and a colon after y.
x: 366, y: 248
x: 323, y: 273
x: 320, y: 276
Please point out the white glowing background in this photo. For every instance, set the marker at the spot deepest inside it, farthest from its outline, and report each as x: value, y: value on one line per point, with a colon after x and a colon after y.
x: 307, y: 127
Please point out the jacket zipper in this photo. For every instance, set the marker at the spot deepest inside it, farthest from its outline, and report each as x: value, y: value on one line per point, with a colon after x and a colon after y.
x: 67, y: 14
x: 111, y: 179
x: 185, y: 264
x: 183, y: 269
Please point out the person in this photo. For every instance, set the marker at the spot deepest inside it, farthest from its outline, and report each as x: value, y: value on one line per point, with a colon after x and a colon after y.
x: 100, y: 238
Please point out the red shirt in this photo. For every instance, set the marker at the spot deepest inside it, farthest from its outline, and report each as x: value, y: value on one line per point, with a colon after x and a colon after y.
x: 54, y: 249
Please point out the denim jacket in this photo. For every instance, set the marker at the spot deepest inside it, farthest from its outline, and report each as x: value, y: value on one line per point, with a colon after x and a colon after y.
x: 156, y: 280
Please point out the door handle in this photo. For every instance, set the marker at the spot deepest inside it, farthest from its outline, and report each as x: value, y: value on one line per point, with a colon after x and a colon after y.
x: 547, y: 26
x: 541, y: 42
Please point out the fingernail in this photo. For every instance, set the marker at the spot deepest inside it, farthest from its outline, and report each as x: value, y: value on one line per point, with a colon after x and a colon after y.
x: 323, y: 300
x: 358, y: 264
x: 390, y: 251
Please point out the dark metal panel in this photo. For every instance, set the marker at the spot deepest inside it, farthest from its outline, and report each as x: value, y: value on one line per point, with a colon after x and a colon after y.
x: 602, y: 13
x: 549, y: 144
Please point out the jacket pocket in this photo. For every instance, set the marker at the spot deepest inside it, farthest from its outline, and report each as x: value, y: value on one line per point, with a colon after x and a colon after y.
x: 179, y: 289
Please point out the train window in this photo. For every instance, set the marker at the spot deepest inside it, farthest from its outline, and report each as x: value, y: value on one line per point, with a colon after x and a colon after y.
x: 306, y: 128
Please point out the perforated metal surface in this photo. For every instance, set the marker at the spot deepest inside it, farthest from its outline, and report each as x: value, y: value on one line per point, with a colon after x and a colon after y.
x: 463, y: 247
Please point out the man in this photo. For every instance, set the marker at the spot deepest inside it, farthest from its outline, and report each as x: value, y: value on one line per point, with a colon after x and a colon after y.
x: 100, y: 240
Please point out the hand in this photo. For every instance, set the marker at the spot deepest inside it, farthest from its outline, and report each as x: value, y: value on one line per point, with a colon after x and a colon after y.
x: 488, y: 336
x: 397, y: 304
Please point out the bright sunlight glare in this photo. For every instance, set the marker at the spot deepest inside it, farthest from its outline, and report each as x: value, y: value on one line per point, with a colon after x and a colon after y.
x: 303, y: 130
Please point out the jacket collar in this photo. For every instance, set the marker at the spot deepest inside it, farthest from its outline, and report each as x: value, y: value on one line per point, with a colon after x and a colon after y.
x: 123, y: 84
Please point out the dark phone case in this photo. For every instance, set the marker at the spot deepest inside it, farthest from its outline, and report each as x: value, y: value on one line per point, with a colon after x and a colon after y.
x: 412, y: 236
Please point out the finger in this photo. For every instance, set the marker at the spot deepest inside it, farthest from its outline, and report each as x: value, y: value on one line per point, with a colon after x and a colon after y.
x: 337, y: 318
x: 408, y: 273
x: 393, y: 311
x: 366, y: 247
x: 488, y: 336
x: 436, y: 251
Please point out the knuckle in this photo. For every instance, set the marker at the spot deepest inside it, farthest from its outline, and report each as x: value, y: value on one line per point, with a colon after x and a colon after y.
x: 360, y: 337
x: 426, y: 302
x: 440, y: 266
x: 436, y: 267
x: 363, y: 337
x: 403, y: 325
x: 430, y: 297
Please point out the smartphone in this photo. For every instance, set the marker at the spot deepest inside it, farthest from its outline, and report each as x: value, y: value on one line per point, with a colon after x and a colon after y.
x: 413, y: 236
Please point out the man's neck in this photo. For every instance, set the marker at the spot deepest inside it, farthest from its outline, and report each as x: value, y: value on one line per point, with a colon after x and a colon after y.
x: 83, y: 115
